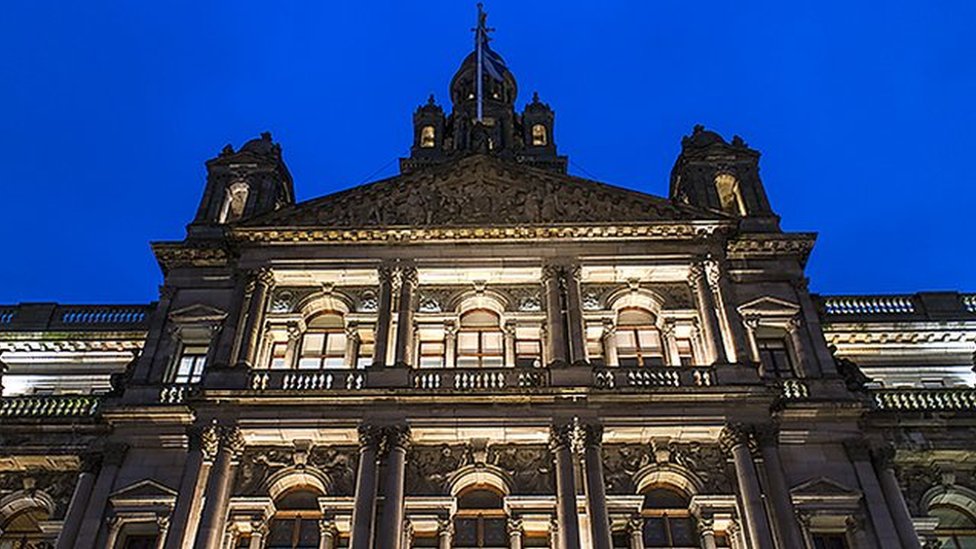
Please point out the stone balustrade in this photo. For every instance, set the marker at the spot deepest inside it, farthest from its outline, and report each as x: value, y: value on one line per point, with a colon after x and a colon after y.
x: 177, y: 393
x: 869, y: 305
x: 478, y: 379
x: 313, y: 380
x: 48, y: 406
x: 52, y: 316
x: 794, y: 389
x: 935, y: 400
x: 645, y: 378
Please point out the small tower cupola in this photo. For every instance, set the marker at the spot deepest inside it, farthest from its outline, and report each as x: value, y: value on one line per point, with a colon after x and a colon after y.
x: 712, y: 173
x: 428, y: 126
x: 243, y: 184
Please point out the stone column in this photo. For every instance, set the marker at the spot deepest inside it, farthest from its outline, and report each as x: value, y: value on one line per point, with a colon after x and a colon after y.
x: 895, y: 498
x: 706, y: 531
x: 874, y: 500
x: 88, y: 531
x: 408, y: 285
x: 574, y: 315
x: 214, y: 513
x: 396, y: 439
x: 515, y: 533
x: 259, y: 529
x: 445, y: 533
x: 383, y: 313
x: 784, y: 516
x: 670, y: 344
x: 737, y: 347
x: 450, y: 343
x: 291, y: 348
x: 263, y: 281
x: 795, y: 328
x: 328, y: 534
x: 635, y: 528
x: 706, y: 310
x: 555, y: 316
x: 735, y: 441
x: 352, y: 345
x: 752, y: 324
x: 510, y: 344
x: 365, y: 503
x: 561, y: 444
x: 79, y: 501
x: 203, y: 445
x: 609, y: 341
x: 596, y: 492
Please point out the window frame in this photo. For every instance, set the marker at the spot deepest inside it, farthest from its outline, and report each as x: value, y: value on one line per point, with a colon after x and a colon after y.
x: 323, y: 355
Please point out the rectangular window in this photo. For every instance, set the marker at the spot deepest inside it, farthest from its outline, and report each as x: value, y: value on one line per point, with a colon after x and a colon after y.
x: 189, y: 369
x: 477, y: 349
x: 639, y: 347
x: 278, y: 350
x: 431, y: 354
x: 685, y: 351
x: 140, y: 542
x: 829, y: 541
x: 775, y: 357
x: 323, y: 350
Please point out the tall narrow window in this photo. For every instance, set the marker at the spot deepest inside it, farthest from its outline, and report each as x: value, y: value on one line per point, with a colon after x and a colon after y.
x: 480, y: 520
x: 685, y: 351
x: 667, y: 522
x: 235, y: 200
x: 296, y: 522
x: 540, y: 138
x: 479, y: 341
x: 729, y: 194
x: 427, y: 135
x: 278, y: 351
x: 774, y: 356
x: 528, y: 347
x: 638, y: 339
x: 324, y: 343
x: 189, y: 368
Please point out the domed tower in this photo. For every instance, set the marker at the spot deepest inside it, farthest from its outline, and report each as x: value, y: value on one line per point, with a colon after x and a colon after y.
x: 484, y: 121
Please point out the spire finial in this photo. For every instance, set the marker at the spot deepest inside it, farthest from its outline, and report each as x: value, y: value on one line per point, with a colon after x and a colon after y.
x: 430, y: 100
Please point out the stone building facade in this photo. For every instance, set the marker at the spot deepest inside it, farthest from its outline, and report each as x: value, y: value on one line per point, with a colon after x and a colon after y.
x: 485, y: 351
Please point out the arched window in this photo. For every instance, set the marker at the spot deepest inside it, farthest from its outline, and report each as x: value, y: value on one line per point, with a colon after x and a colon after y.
x: 479, y: 340
x: 324, y: 343
x: 729, y: 194
x: 540, y: 138
x: 23, y: 530
x: 667, y: 522
x: 638, y: 339
x: 296, y: 522
x: 427, y: 136
x: 957, y: 526
x: 480, y: 520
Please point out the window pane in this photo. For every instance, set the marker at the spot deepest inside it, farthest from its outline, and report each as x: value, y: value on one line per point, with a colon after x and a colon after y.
x: 309, y: 363
x: 467, y: 342
x: 313, y: 344
x: 465, y: 532
x: 467, y: 362
x: 682, y: 531
x: 496, y: 533
x: 491, y: 343
x: 431, y: 362
x: 655, y: 534
x: 336, y: 344
x: 626, y: 340
x: 335, y: 362
x: 492, y: 362
x: 649, y: 339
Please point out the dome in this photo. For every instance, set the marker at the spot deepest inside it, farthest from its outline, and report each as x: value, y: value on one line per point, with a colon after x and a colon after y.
x: 462, y: 85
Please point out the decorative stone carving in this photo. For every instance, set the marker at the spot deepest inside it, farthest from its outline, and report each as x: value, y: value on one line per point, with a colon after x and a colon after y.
x: 259, y: 463
x: 479, y: 190
x: 58, y: 485
x: 530, y: 466
x: 430, y: 467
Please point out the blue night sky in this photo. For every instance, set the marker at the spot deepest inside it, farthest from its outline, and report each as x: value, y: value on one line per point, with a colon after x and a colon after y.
x: 864, y: 115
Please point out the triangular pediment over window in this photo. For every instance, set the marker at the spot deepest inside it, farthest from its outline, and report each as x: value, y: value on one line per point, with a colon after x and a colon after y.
x: 823, y: 486
x: 144, y: 489
x: 197, y: 313
x: 481, y: 190
x: 769, y: 306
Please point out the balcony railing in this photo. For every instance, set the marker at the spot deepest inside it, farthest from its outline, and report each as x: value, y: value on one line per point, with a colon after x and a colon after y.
x: 297, y: 380
x: 934, y: 400
x: 474, y: 380
x: 642, y: 378
x: 869, y: 305
x: 921, y: 306
x: 49, y: 406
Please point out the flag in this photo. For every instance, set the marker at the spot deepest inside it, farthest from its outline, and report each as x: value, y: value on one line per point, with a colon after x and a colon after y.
x: 492, y: 62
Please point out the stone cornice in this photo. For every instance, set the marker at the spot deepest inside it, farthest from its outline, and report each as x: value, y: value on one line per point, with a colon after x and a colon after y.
x: 43, y: 342
x: 771, y: 245
x: 180, y: 254
x: 407, y: 235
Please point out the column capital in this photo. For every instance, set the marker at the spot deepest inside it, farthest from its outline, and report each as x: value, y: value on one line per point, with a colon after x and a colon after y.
x: 395, y: 437
x: 590, y: 434
x: 385, y: 274
x: 232, y: 440
x: 713, y: 273
x: 445, y: 527
x: 696, y: 273
x: 706, y: 525
x: 668, y: 326
x: 562, y: 434
x: 208, y: 437
x: 352, y: 331
x: 370, y: 436
x: 515, y: 526
x: 408, y: 277
x: 264, y: 276
x: 327, y: 527
x: 551, y: 272
x: 450, y: 329
x: 635, y: 523
x: 609, y: 328
x: 573, y: 271
x: 752, y: 321
x: 794, y: 323
x: 733, y: 436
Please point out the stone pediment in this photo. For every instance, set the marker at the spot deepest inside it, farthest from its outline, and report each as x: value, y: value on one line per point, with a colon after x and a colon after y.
x: 143, y: 490
x: 197, y: 313
x: 769, y: 306
x: 481, y: 190
x: 823, y: 486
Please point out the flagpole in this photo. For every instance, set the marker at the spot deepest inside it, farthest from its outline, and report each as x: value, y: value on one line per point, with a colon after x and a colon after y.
x: 478, y: 39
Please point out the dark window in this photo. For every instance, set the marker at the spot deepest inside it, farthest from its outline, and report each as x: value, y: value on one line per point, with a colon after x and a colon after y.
x: 667, y: 522
x: 141, y: 542
x: 480, y: 521
x: 829, y: 541
x: 957, y: 527
x: 296, y: 524
x: 774, y: 355
x: 480, y: 343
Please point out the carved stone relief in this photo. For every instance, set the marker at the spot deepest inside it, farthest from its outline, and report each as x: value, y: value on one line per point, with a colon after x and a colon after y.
x: 531, y: 466
x: 59, y: 485
x: 259, y: 463
x: 430, y: 467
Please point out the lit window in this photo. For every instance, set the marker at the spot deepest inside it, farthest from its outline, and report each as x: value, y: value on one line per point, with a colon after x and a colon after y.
x: 667, y: 522
x: 189, y: 369
x: 427, y: 137
x: 729, y: 194
x: 638, y: 339
x: 324, y: 344
x: 235, y: 200
x: 278, y: 350
x: 685, y: 351
x: 528, y: 347
x: 479, y: 342
x: 23, y: 528
x: 774, y: 356
x: 432, y: 354
x: 539, y: 136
